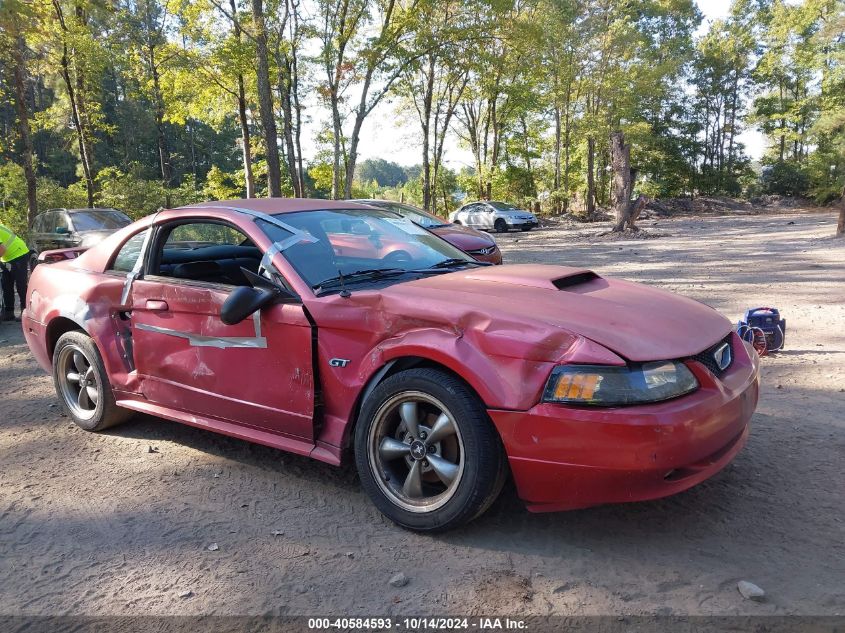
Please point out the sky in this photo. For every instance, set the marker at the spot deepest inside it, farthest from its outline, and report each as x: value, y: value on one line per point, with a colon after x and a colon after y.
x: 393, y: 134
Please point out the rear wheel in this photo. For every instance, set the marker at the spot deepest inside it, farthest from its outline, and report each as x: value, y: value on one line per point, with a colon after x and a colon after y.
x: 426, y: 452
x: 82, y: 383
x: 501, y: 226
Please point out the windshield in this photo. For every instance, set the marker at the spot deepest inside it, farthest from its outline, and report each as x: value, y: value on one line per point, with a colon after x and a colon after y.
x: 418, y: 216
x: 99, y: 220
x: 503, y: 206
x: 373, y: 243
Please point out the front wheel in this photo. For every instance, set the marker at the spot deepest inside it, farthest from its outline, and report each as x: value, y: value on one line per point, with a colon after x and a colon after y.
x: 426, y: 451
x: 501, y: 226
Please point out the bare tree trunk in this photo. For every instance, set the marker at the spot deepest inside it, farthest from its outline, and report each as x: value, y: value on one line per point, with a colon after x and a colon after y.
x: 337, y: 128
x: 428, y: 96
x: 245, y: 139
x: 161, y: 137
x: 19, y: 73
x: 557, y: 204
x: 287, y: 124
x: 242, y: 118
x: 622, y: 181
x: 81, y: 100
x: 840, y: 226
x: 591, y: 182
x: 352, y: 156
x: 265, y: 103
x: 74, y: 107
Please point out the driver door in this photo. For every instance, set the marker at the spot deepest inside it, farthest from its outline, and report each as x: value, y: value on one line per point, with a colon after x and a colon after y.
x: 257, y: 373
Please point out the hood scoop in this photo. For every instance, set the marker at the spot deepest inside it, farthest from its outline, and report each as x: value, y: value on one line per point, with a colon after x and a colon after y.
x: 534, y: 276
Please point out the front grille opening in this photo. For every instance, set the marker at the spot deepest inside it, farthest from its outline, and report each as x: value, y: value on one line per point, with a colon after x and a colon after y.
x: 708, y: 359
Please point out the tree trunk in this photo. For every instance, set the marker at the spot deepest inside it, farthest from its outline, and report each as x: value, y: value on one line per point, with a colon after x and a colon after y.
x: 265, y: 103
x: 74, y: 107
x: 287, y: 124
x: 557, y: 183
x: 428, y: 97
x: 591, y: 182
x: 353, y: 155
x: 245, y: 139
x: 81, y: 101
x: 19, y: 73
x: 337, y: 128
x: 840, y: 227
x: 242, y: 118
x: 620, y: 158
x: 161, y: 138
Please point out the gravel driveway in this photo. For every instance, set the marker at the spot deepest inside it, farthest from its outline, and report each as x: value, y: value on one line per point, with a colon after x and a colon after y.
x: 155, y: 517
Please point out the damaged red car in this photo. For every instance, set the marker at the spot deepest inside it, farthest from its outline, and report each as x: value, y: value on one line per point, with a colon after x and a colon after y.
x: 332, y: 328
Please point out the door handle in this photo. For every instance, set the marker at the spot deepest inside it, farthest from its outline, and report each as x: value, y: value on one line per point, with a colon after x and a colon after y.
x: 156, y: 305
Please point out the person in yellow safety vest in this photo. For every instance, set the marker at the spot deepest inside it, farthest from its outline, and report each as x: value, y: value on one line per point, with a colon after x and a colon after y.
x: 14, y: 255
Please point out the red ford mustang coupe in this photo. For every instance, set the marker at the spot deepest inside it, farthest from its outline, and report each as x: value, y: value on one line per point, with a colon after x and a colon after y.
x: 273, y: 321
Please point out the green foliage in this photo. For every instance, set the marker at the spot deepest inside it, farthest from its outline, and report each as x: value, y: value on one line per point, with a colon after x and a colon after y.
x: 786, y: 178
x: 384, y: 173
x: 532, y: 89
x: 13, y: 209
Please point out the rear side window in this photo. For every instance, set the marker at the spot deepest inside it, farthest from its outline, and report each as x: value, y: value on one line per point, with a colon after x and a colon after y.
x: 60, y: 221
x: 200, y: 234
x: 129, y: 253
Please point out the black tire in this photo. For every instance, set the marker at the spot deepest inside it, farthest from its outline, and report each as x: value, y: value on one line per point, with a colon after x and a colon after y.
x: 458, y: 222
x: 525, y: 228
x: 105, y: 413
x: 501, y: 226
x: 483, y: 467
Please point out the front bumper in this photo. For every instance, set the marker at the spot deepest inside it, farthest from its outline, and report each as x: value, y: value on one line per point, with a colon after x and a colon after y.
x: 522, y: 224
x: 565, y: 457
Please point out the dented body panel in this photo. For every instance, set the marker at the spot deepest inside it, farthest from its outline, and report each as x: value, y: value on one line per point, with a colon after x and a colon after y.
x: 294, y: 375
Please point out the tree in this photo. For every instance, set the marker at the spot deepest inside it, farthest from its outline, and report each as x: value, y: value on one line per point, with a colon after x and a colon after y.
x: 13, y: 49
x: 360, y: 69
x: 265, y: 100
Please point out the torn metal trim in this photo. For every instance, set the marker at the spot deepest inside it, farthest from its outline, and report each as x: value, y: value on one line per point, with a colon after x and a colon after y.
x: 220, y: 342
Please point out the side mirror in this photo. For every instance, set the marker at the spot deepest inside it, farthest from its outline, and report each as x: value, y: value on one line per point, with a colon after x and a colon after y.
x: 244, y: 301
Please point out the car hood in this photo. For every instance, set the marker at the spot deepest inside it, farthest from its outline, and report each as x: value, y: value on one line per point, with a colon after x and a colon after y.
x: 463, y: 237
x: 637, y: 322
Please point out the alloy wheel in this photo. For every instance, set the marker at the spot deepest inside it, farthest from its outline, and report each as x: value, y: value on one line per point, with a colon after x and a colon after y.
x: 416, y: 451
x: 78, y: 381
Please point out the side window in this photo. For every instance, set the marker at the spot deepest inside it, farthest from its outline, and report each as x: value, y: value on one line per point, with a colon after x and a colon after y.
x: 62, y: 225
x: 199, y: 234
x: 206, y: 252
x: 36, y: 225
x: 47, y: 222
x: 129, y: 253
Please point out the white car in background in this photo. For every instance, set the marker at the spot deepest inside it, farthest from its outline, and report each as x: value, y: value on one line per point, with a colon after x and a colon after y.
x: 494, y: 216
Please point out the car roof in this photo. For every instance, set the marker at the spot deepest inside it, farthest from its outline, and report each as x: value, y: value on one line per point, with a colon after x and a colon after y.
x: 80, y: 210
x: 278, y: 205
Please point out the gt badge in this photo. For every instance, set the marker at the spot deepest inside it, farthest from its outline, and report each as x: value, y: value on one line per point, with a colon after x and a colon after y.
x: 338, y: 362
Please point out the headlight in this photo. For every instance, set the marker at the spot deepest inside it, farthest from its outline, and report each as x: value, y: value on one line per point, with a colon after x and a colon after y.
x: 607, y: 386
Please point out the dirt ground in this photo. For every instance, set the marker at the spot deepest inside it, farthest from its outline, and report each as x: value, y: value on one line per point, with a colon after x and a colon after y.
x: 124, y: 522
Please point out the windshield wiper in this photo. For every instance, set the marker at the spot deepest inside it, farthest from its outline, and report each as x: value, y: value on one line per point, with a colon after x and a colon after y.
x: 357, y: 276
x: 453, y: 262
